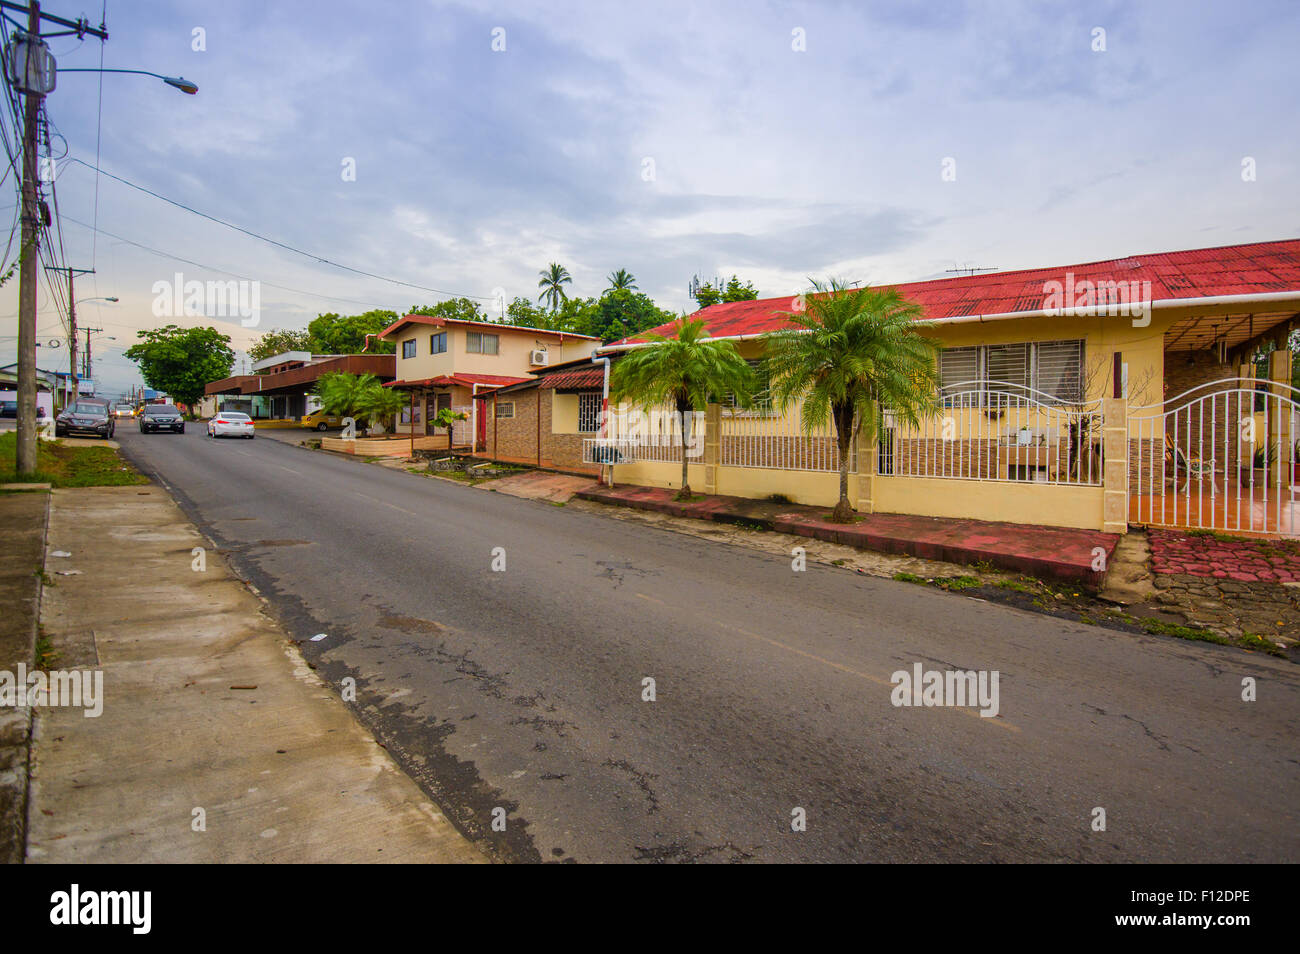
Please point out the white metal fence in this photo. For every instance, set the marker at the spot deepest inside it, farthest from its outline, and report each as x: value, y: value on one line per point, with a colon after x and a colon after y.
x: 998, y: 432
x: 1221, y: 456
x: 779, y: 441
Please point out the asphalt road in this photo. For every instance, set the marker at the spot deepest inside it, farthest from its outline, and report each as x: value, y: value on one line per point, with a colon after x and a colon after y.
x: 523, y: 689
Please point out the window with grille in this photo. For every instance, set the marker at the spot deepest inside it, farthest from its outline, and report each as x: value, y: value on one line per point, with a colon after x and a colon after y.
x: 478, y: 343
x: 1052, y: 367
x: 958, y: 369
x: 408, y: 348
x: 1058, y: 369
x: 589, y: 412
x: 506, y: 409
x: 762, y: 389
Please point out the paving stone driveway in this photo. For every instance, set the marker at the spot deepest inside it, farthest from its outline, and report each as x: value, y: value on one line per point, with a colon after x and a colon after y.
x: 1230, y: 584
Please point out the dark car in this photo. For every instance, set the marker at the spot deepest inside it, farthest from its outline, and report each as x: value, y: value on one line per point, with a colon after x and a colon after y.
x: 86, y: 416
x: 161, y: 417
x: 8, y: 408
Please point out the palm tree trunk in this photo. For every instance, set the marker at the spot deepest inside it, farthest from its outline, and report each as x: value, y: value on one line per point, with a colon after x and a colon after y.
x: 843, y: 512
x: 685, y: 492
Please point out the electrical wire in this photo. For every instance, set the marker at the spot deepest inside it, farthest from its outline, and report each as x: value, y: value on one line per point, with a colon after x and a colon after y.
x: 278, y: 244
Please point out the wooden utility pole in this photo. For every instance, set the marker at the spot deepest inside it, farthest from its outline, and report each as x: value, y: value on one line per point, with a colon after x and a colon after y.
x: 25, y: 453
x: 32, y: 74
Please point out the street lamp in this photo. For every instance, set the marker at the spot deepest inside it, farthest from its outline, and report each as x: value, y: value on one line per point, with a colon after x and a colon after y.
x: 180, y: 82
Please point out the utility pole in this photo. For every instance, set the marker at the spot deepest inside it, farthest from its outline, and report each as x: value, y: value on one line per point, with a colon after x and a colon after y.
x: 25, y: 453
x: 32, y: 72
x: 90, y: 377
x: 72, y: 322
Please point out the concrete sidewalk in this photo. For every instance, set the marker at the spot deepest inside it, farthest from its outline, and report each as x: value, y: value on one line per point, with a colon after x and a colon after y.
x: 1046, y: 552
x: 209, y: 711
x: 22, y: 550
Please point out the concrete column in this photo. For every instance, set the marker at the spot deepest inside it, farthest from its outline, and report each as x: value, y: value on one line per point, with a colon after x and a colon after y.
x: 868, y: 442
x: 1114, y: 443
x: 1278, y: 408
x: 712, y: 446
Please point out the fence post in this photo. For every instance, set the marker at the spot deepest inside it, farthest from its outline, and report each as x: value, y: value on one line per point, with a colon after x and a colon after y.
x: 866, y: 449
x: 712, y: 446
x: 1114, y: 443
x: 1280, y: 438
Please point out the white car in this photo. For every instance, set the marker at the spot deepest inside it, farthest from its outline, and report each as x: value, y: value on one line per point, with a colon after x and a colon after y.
x: 231, y: 424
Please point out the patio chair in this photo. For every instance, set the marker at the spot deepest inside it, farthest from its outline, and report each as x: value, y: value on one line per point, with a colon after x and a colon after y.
x: 1189, y: 468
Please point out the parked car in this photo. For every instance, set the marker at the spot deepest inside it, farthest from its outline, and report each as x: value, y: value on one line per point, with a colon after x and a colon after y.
x: 231, y: 424
x: 8, y: 408
x: 124, y: 410
x: 84, y: 416
x: 161, y: 417
x: 320, y: 421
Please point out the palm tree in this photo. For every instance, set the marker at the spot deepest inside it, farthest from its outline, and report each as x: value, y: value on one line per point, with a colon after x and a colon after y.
x: 344, y: 394
x: 685, y: 371
x: 552, y: 284
x: 382, y: 405
x: 621, y: 280
x: 850, y: 347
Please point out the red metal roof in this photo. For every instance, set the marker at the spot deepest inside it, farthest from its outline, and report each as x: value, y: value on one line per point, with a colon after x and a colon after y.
x: 491, y: 326
x: 592, y: 376
x: 466, y: 379
x: 1197, y: 273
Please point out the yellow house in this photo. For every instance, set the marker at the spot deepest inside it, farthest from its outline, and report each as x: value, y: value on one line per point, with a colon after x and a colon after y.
x: 451, y: 363
x: 1089, y: 395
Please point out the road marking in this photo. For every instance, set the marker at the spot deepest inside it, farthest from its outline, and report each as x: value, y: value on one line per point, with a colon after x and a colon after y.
x: 387, y: 504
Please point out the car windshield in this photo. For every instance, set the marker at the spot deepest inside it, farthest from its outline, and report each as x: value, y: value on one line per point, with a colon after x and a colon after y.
x: 161, y: 409
x: 83, y: 408
x: 124, y: 407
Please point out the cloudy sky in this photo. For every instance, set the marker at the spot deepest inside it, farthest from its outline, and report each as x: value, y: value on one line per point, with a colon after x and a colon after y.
x: 776, y: 141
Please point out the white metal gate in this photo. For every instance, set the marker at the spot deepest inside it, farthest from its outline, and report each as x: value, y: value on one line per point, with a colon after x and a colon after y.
x: 1221, y: 456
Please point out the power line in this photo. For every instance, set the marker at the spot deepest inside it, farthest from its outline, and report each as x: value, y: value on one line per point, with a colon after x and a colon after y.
x: 270, y: 241
x: 223, y: 271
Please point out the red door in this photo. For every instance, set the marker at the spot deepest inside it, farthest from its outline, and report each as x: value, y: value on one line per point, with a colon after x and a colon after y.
x: 480, y: 440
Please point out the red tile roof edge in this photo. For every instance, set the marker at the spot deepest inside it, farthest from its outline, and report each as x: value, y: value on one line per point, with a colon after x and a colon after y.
x: 438, y: 321
x: 1186, y: 275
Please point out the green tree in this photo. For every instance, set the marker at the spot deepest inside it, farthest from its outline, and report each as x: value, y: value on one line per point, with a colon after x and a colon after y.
x: 707, y: 294
x: 345, y: 394
x: 278, y: 341
x: 523, y: 312
x: 346, y: 334
x: 447, y: 418
x: 552, y: 282
x: 683, y: 371
x: 621, y: 313
x: 462, y: 309
x: 850, y: 352
x: 380, y: 404
x: 182, y: 361
x: 621, y: 280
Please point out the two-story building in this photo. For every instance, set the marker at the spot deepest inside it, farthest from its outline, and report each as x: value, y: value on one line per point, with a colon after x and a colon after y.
x: 450, y: 362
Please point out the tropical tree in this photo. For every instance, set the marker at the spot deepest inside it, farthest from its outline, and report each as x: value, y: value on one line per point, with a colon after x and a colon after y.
x: 552, y: 283
x: 278, y: 341
x: 182, y: 361
x: 346, y: 395
x: 447, y: 418
x: 710, y: 294
x: 685, y: 371
x: 347, y: 334
x: 381, y: 405
x: 621, y: 280
x: 849, y: 352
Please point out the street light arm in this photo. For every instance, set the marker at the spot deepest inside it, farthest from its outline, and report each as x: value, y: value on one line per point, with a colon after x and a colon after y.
x: 180, y: 82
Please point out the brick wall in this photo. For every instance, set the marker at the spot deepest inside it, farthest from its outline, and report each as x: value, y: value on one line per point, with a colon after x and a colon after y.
x: 516, y: 437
